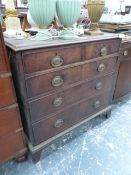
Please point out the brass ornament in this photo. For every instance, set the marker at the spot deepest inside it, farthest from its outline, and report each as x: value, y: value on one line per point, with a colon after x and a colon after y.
x: 101, y: 67
x: 104, y: 51
x: 58, y: 101
x: 58, y: 123
x: 125, y: 53
x: 98, y: 86
x: 57, y: 61
x: 97, y: 104
x: 57, y: 81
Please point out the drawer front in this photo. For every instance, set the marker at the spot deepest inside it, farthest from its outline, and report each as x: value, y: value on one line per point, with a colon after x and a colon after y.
x: 7, y: 96
x: 101, y: 48
x: 9, y: 120
x: 125, y: 53
x: 50, y: 127
x: 50, y: 59
x: 45, y: 83
x: 60, y: 100
x: 10, y: 146
x: 123, y: 84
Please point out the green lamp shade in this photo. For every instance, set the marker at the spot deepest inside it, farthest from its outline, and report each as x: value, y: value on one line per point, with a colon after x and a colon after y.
x: 42, y: 11
x: 68, y: 11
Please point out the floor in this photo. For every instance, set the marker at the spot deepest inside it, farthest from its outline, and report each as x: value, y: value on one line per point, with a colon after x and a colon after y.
x: 105, y: 149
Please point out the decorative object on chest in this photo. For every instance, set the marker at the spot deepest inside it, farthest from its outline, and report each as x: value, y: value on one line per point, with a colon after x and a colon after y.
x: 68, y: 12
x: 42, y: 16
x: 95, y: 10
x: 62, y: 85
x: 13, y: 25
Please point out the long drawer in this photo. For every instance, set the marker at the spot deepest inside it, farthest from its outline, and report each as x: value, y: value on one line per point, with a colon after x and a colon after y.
x: 9, y: 120
x: 10, y: 146
x: 7, y: 95
x: 57, y: 123
x: 57, y: 101
x: 45, y: 83
x: 101, y: 48
x: 46, y: 59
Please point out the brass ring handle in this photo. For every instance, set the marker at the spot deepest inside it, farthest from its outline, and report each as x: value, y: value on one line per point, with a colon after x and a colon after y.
x: 57, y: 81
x: 57, y: 61
x: 101, y: 67
x: 58, y: 101
x: 98, y: 86
x: 97, y: 104
x: 103, y: 51
x: 125, y: 53
x: 58, y: 123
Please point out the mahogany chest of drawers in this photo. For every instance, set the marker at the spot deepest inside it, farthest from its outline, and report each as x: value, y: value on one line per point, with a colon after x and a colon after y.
x: 61, y: 84
x: 123, y: 85
x: 11, y: 134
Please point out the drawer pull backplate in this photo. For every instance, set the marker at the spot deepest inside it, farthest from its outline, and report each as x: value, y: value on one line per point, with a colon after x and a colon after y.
x: 58, y: 101
x: 104, y: 51
x: 57, y: 61
x: 57, y: 81
x: 97, y: 104
x: 59, y: 123
x: 101, y: 67
x: 125, y: 53
x: 98, y: 86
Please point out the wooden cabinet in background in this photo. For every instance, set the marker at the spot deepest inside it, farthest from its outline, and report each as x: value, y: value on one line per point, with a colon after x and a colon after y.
x: 12, y: 143
x: 123, y: 85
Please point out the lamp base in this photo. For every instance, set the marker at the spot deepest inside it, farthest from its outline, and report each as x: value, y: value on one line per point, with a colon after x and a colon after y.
x: 93, y: 32
x: 68, y: 33
x: 42, y: 35
x: 94, y: 29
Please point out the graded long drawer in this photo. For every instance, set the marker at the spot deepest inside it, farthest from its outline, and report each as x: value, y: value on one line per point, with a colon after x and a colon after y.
x: 7, y: 96
x: 9, y: 120
x: 45, y: 83
x: 58, y: 101
x: 101, y: 48
x: 57, y: 123
x: 50, y: 58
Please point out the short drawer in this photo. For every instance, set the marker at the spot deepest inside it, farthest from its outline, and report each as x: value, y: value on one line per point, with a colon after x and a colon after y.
x: 50, y: 127
x: 9, y: 120
x: 57, y: 101
x: 101, y: 48
x: 47, y: 59
x: 11, y: 146
x: 7, y: 96
x: 125, y: 53
x: 45, y: 83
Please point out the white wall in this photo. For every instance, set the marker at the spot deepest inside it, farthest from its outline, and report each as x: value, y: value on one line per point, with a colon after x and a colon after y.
x: 114, y: 5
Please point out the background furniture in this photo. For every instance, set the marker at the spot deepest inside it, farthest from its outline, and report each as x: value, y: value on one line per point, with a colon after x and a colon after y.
x: 11, y: 132
x: 62, y: 84
x: 123, y: 85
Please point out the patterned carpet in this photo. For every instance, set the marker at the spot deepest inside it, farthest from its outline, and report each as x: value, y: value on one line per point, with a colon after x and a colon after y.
x: 104, y: 149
